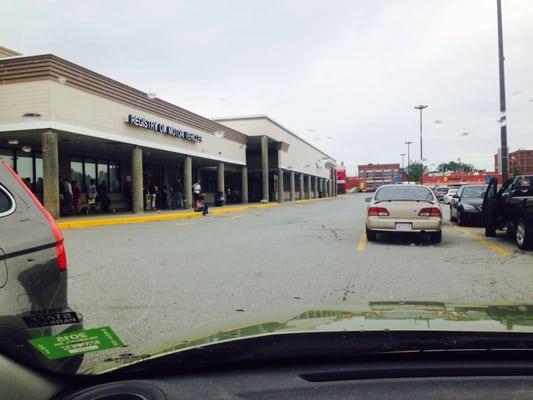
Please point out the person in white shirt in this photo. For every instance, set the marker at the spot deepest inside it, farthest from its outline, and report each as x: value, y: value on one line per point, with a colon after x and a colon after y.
x: 196, y: 190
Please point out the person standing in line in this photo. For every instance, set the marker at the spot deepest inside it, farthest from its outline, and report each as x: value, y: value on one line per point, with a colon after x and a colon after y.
x: 76, y: 195
x: 196, y: 190
x: 153, y: 196
x: 104, y: 197
x: 27, y: 181
x: 92, y: 193
x: 67, y: 187
x: 179, y: 194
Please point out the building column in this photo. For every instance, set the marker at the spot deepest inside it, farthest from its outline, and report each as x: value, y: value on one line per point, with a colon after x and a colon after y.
x: 220, y: 180
x: 137, y: 180
x: 187, y: 181
x: 329, y: 187
x: 264, y: 167
x: 293, y: 185
x: 302, y: 192
x: 315, y: 191
x: 335, y: 185
x: 51, y: 172
x: 308, y: 187
x: 244, y: 185
x: 280, y: 185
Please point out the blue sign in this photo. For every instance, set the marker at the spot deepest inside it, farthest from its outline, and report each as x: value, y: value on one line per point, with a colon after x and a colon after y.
x: 399, y: 179
x: 162, y: 128
x: 488, y: 178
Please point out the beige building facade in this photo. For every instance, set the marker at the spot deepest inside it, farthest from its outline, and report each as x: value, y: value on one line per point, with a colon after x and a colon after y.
x: 61, y: 121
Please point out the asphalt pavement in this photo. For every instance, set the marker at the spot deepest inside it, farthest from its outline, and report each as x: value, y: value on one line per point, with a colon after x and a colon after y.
x: 151, y: 280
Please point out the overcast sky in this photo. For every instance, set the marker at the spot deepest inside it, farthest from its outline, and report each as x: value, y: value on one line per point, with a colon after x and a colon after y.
x: 344, y: 75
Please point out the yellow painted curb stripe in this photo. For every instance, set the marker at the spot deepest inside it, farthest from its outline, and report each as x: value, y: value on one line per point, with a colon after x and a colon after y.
x: 88, y: 223
x: 361, y: 244
x: 491, y: 245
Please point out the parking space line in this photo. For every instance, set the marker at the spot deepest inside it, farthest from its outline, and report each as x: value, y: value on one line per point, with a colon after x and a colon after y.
x: 185, y: 223
x: 491, y: 245
x: 361, y: 244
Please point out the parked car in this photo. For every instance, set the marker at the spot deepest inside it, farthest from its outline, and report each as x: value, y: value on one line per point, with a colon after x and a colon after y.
x: 403, y: 208
x: 510, y: 208
x: 33, y: 275
x: 440, y: 192
x: 449, y: 195
x: 465, y: 206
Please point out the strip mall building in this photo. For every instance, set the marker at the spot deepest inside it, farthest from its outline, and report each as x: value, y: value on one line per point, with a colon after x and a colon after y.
x: 60, y: 120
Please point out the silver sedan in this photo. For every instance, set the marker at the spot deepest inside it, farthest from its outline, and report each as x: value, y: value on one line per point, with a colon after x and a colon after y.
x: 404, y: 208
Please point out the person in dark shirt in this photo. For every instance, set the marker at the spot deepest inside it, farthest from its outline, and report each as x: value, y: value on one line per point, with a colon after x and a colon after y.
x: 178, y: 192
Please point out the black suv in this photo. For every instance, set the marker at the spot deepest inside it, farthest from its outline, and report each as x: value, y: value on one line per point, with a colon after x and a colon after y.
x: 510, y: 208
x: 33, y: 275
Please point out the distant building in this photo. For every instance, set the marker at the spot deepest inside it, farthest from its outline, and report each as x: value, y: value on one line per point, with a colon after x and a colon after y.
x: 375, y: 175
x: 520, y: 161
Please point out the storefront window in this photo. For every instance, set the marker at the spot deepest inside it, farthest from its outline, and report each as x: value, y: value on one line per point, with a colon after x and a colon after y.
x: 90, y: 172
x: 38, y: 173
x: 103, y: 173
x: 76, y: 172
x: 7, y: 156
x: 83, y: 170
x: 25, y: 166
x: 114, y: 177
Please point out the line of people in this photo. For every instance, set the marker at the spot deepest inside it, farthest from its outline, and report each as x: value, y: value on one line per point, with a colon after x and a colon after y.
x: 155, y: 198
x: 70, y: 197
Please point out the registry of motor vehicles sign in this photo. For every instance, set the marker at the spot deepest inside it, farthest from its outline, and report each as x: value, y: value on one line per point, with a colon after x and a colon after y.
x: 74, y: 343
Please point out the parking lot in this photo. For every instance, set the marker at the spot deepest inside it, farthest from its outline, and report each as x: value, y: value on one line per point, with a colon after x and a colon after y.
x: 163, y: 278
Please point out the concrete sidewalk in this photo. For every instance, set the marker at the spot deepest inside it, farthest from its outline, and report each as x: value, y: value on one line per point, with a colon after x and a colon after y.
x: 165, y: 215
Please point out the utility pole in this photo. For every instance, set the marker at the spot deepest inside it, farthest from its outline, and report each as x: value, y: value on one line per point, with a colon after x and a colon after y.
x: 504, y: 151
x: 403, y: 159
x: 420, y: 108
x: 408, y: 156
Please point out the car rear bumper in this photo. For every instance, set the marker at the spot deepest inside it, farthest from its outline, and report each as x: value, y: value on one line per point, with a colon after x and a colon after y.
x: 417, y: 225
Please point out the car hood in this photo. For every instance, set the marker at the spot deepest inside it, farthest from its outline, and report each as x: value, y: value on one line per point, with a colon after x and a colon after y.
x: 374, y: 316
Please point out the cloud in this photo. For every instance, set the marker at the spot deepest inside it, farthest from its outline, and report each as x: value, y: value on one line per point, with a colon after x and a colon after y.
x: 349, y: 70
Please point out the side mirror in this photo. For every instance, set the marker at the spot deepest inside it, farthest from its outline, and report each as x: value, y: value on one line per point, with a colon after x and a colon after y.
x: 455, y: 196
x: 368, y: 199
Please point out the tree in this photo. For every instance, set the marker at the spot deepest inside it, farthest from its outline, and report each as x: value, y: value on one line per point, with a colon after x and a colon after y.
x: 415, y: 171
x: 517, y: 171
x: 454, y: 166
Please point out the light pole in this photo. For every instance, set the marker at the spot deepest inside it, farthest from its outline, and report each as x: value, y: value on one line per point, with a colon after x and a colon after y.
x: 503, y: 128
x: 403, y: 157
x: 420, y: 108
x: 409, y: 143
x: 464, y: 134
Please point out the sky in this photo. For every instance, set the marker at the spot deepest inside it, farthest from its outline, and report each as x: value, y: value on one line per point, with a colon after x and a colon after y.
x: 343, y: 75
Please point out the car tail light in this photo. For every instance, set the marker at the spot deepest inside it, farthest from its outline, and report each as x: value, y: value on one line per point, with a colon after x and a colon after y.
x: 58, y: 236
x: 378, y: 212
x: 430, y: 212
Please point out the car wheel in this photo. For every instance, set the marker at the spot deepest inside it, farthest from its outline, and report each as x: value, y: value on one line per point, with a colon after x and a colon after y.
x: 460, y: 218
x: 524, y: 240
x: 370, y: 235
x: 436, y: 237
x: 452, y: 218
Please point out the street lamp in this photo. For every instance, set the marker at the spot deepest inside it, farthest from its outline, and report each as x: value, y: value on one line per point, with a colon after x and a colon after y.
x: 403, y: 164
x: 408, y: 153
x: 464, y: 134
x: 420, y: 108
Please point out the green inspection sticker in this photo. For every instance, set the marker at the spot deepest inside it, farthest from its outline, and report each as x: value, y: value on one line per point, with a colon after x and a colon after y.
x: 78, y: 342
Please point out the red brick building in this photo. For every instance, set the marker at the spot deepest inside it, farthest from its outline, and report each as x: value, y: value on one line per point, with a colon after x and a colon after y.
x: 520, y: 161
x: 375, y: 175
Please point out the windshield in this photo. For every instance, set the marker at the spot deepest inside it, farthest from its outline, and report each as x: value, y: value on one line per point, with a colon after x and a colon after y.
x: 403, y: 193
x: 473, y: 191
x: 176, y: 174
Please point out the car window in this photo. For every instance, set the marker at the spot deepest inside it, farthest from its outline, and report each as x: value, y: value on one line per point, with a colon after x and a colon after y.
x: 523, y: 186
x: 473, y: 191
x: 403, y: 193
x: 6, y: 203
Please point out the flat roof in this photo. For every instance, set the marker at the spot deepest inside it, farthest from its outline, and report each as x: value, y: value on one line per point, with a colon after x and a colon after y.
x: 50, y: 67
x: 264, y: 116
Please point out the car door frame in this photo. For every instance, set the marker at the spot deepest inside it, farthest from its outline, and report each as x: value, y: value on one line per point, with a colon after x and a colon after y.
x: 454, y: 203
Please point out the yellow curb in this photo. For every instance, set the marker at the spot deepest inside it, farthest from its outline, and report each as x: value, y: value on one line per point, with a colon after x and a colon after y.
x: 493, y: 246
x: 89, y: 223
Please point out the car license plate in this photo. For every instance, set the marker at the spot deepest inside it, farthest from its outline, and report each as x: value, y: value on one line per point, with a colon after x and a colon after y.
x: 403, y: 226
